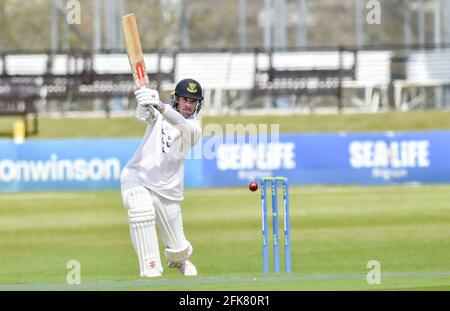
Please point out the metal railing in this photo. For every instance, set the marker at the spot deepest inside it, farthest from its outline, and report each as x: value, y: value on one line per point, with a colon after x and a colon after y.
x: 369, y: 79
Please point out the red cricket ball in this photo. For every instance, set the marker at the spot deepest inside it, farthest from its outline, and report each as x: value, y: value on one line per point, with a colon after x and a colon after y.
x: 253, y: 186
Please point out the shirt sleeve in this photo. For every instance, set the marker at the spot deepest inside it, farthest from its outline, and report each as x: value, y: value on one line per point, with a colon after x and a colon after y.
x: 190, y: 129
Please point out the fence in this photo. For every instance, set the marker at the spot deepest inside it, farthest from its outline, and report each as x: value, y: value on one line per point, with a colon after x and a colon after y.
x: 368, y: 80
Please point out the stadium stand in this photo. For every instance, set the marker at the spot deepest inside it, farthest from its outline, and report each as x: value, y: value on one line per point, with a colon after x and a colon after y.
x: 78, y: 75
x: 424, y: 69
x: 373, y: 75
x: 365, y: 75
x: 17, y: 98
x: 305, y: 74
x: 24, y: 65
x: 278, y: 73
x: 218, y: 72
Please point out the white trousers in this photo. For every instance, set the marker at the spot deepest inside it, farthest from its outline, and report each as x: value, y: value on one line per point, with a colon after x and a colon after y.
x: 145, y: 208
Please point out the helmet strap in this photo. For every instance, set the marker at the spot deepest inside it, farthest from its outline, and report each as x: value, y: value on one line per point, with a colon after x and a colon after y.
x: 174, y: 103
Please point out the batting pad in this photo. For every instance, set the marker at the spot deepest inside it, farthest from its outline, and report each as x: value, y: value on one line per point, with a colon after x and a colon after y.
x: 141, y: 214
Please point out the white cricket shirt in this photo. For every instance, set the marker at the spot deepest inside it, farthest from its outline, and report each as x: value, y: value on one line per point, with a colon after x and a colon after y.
x: 158, y: 163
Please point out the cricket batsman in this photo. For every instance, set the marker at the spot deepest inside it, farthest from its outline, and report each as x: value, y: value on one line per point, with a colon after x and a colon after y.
x: 152, y: 181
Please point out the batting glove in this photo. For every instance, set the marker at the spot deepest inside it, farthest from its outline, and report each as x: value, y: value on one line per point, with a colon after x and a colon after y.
x: 148, y: 97
x: 145, y: 113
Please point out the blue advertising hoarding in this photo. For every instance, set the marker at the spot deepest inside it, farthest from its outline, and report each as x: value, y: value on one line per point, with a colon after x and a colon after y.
x: 8, y: 157
x: 71, y: 164
x: 334, y: 158
x: 361, y: 158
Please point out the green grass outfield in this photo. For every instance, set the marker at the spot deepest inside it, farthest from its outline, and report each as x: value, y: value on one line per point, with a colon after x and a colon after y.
x: 335, y: 232
x: 126, y: 127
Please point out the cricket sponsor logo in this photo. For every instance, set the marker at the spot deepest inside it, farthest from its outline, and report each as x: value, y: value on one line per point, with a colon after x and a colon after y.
x: 253, y: 151
x: 389, y: 160
x: 140, y: 71
x: 55, y: 169
x: 261, y: 157
x: 152, y: 264
x: 247, y: 137
x: 141, y: 74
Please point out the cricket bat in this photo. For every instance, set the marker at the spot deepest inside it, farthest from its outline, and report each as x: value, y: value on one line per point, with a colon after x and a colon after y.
x: 134, y: 50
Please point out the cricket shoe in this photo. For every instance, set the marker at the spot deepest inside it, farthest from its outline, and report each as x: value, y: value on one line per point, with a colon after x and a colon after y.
x: 187, y: 268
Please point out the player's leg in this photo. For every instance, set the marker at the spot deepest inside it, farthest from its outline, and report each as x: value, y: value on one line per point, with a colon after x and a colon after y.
x: 141, y: 217
x: 177, y: 248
